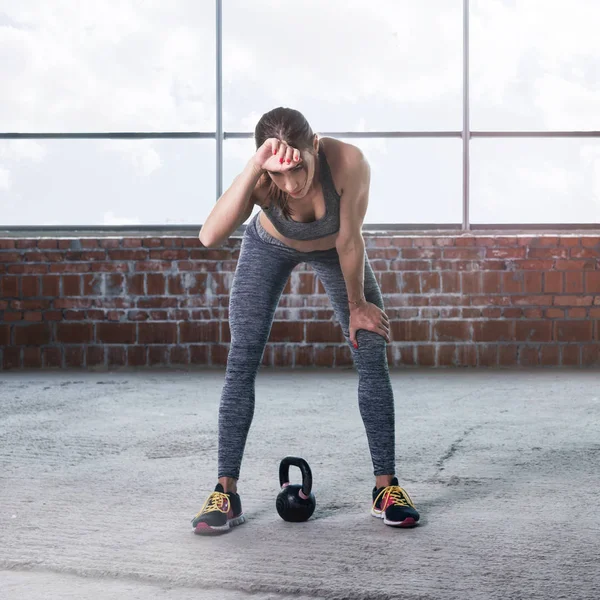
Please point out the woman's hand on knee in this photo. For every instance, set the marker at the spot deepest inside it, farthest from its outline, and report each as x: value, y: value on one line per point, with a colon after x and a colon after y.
x: 370, y: 317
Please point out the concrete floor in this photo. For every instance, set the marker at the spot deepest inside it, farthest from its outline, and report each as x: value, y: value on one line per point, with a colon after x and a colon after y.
x: 101, y: 473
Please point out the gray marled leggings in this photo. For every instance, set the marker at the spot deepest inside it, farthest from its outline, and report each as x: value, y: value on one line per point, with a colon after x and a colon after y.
x: 263, y: 269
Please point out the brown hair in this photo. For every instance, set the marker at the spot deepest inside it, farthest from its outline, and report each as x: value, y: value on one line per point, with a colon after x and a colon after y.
x: 289, y: 126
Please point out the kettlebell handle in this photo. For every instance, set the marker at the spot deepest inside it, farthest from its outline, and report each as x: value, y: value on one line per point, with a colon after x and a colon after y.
x: 284, y: 474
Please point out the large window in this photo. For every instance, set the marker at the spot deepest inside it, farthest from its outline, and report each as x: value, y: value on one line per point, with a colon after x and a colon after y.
x: 135, y: 113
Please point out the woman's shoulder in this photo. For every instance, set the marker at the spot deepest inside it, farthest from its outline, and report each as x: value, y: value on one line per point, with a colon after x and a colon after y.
x: 341, y: 155
x: 342, y: 159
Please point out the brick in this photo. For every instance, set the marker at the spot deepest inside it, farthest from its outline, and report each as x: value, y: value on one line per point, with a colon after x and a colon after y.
x: 178, y: 355
x: 553, y: 282
x: 532, y: 300
x: 284, y: 331
x: 157, y: 333
x: 590, y: 241
x: 426, y: 355
x: 71, y: 285
x: 32, y: 335
x: 570, y: 241
x: 199, y: 354
x: 390, y: 282
x: 576, y: 253
x: 487, y: 355
x: 190, y: 332
x: 11, y: 358
x: 92, y: 285
x: 323, y: 332
x: 70, y: 268
x: 116, y: 333
x: 570, y: 355
x: 410, y: 331
x: 463, y: 253
x: 450, y: 331
x: 117, y: 255
x: 170, y: 254
x: 490, y: 282
x: 533, y: 313
x: 32, y: 316
x: 31, y: 269
x: 219, y: 354
x: 132, y: 243
x: 493, y: 331
x: 108, y: 243
x: 471, y: 283
x: 155, y: 284
x: 161, y: 302
x: 52, y: 357
x: 12, y: 316
x: 573, y: 331
x: 577, y: 265
x: 533, y: 331
x: 590, y: 355
x: 114, y: 284
x: 555, y: 313
x: 505, y: 253
x: 135, y: 285
x: 4, y: 335
x: 89, y: 243
x: 410, y: 265
x: 592, y: 282
x: 466, y: 355
x: 446, y: 355
x: 545, y: 253
x: 430, y: 282
x: 74, y: 356
x: 577, y: 313
x: 152, y: 265
x: 529, y: 356
x: 30, y: 286
x: 74, y: 315
x: 450, y: 282
x: 573, y: 300
x: 74, y: 333
x: 411, y: 283
x: 32, y: 358
x: 324, y: 356
x: 94, y: 356
x: 7, y: 244
x: 9, y: 287
x: 532, y: 282
x: 496, y: 313
x: 550, y: 355
x: 137, y: 356
x: 574, y: 282
x: 534, y: 265
x: 507, y: 355
x: 116, y: 356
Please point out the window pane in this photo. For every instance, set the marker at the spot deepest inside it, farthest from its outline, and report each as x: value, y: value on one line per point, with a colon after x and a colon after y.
x: 534, y: 65
x: 106, y: 182
x: 114, y: 65
x: 547, y: 180
x: 347, y: 65
x: 413, y: 181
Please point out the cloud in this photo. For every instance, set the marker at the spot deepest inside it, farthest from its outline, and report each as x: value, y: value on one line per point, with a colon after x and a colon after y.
x: 110, y: 219
x: 5, y: 182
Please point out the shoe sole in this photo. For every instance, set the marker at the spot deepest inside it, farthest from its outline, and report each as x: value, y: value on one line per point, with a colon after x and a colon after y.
x: 407, y: 523
x: 205, y: 529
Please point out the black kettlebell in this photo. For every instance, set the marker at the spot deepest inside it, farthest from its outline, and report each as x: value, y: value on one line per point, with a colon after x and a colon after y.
x: 295, y: 503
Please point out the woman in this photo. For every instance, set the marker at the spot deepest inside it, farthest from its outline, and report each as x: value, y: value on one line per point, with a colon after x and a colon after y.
x: 313, y: 194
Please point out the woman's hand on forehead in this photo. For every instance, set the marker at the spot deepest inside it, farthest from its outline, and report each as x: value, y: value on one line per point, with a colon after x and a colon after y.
x: 285, y: 157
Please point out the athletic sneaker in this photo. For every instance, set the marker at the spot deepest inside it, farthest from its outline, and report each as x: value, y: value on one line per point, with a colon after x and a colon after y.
x: 394, y: 506
x: 221, y: 511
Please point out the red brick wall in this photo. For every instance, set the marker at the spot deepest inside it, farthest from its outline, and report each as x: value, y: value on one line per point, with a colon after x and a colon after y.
x: 468, y: 300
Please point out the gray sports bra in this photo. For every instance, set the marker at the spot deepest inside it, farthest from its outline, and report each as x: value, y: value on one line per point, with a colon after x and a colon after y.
x: 328, y: 224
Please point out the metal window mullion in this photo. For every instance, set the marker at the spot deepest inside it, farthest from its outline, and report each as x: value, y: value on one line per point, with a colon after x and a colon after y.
x: 219, y: 96
x: 466, y: 124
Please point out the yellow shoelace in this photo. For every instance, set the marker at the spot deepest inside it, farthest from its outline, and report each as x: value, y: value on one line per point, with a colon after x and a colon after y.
x: 215, y: 501
x: 398, y: 495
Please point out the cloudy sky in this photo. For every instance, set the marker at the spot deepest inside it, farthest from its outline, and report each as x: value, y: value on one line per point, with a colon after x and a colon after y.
x: 348, y: 65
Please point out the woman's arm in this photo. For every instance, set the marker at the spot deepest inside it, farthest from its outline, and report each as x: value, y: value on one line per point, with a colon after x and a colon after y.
x: 350, y: 244
x: 232, y: 208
